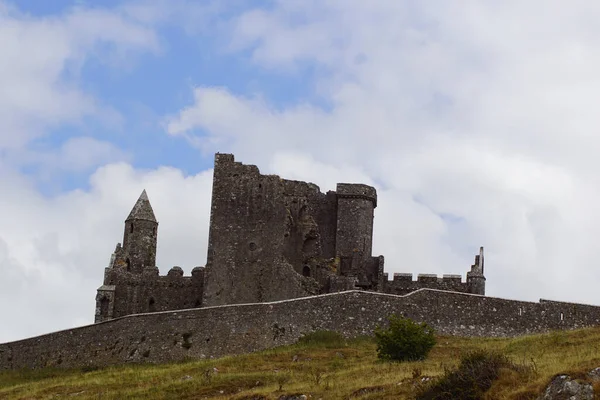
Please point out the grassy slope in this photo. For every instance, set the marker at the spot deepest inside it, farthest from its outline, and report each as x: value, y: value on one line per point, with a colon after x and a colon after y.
x: 327, y: 372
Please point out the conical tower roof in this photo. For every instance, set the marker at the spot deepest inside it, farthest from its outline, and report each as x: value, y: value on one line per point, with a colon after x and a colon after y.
x: 142, y: 209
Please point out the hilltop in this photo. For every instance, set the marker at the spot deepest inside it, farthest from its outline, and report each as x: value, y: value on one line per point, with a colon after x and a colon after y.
x: 326, y: 369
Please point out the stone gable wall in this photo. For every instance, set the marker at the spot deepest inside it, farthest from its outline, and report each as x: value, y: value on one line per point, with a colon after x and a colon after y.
x: 235, y: 329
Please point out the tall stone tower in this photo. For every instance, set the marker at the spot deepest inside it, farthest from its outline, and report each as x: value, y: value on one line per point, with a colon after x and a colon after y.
x: 119, y: 295
x: 354, y: 235
x: 139, y: 238
x: 246, y: 240
x: 476, y: 277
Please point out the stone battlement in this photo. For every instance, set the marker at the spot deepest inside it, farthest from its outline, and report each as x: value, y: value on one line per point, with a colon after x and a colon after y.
x: 175, y: 272
x: 404, y: 283
x: 408, y: 277
x: 125, y: 292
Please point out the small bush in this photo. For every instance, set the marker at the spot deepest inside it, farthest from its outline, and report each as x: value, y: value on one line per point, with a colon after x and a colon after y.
x: 329, y: 339
x: 282, y: 377
x: 472, y: 378
x: 404, y: 340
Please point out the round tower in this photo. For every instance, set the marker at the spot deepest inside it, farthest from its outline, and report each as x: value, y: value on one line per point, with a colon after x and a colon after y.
x: 354, y: 233
x: 139, y: 238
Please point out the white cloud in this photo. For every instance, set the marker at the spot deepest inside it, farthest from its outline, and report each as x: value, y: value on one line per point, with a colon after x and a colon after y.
x: 479, y: 111
x: 41, y: 60
x: 77, y: 155
x: 53, y: 251
x: 476, y: 121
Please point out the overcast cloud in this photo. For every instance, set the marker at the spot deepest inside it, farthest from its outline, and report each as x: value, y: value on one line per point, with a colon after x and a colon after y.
x: 475, y: 120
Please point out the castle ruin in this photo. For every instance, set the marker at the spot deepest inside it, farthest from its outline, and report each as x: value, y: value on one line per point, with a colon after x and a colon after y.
x: 270, y: 239
x: 284, y: 260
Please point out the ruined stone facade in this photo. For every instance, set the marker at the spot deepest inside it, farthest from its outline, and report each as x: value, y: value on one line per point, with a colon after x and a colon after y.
x: 273, y: 245
x: 270, y: 239
x: 132, y: 284
x: 285, y: 239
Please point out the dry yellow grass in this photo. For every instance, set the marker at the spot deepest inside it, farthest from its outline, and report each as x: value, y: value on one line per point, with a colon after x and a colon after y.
x: 326, y: 372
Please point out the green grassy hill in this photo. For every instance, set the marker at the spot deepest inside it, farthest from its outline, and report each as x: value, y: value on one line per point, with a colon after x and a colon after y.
x: 321, y: 370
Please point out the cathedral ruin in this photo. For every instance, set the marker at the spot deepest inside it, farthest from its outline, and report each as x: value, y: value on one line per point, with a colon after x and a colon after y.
x: 283, y: 260
x: 269, y: 239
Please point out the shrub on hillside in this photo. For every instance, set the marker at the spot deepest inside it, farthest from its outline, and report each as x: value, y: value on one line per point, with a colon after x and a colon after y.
x: 404, y: 340
x: 322, y: 339
x: 472, y: 378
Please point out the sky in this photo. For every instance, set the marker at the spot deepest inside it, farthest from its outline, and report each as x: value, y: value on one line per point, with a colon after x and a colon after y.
x: 477, y: 122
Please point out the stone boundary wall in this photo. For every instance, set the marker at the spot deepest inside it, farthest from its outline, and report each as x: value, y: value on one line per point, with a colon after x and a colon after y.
x: 234, y: 329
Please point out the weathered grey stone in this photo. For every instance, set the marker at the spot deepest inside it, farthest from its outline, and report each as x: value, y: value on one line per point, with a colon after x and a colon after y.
x: 269, y: 239
x: 274, y: 239
x: 594, y: 374
x: 273, y: 243
x: 132, y: 284
x: 563, y: 387
x: 235, y: 329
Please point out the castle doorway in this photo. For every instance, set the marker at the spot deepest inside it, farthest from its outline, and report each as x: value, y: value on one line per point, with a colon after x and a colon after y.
x: 306, y: 270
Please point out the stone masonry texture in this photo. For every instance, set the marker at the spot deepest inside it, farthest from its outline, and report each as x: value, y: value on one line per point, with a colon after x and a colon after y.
x: 270, y: 239
x: 234, y: 329
x: 274, y: 239
x: 283, y: 259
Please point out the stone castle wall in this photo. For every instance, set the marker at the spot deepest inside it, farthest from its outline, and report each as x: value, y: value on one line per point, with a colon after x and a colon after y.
x: 270, y: 239
x: 281, y: 238
x: 404, y: 283
x: 247, y: 241
x: 134, y: 293
x: 234, y: 329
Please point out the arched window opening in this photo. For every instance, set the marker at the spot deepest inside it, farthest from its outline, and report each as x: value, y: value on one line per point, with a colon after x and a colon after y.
x: 128, y: 264
x: 154, y: 231
x: 306, y: 270
x: 151, y: 305
x: 131, y: 228
x: 104, y: 303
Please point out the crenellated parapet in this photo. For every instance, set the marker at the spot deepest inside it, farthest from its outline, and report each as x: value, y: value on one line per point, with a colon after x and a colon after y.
x: 403, y: 283
x: 127, y: 293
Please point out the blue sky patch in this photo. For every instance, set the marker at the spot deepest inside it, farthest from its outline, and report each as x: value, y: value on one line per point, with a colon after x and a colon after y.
x: 151, y: 86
